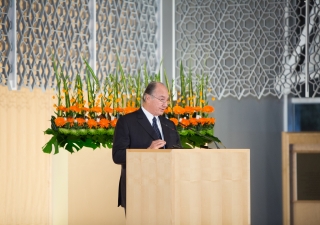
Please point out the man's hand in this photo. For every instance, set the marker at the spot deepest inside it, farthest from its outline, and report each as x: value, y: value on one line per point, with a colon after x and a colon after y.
x: 157, y: 144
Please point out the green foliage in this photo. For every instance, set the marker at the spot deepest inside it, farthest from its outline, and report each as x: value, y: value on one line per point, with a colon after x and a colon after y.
x: 76, y: 138
x: 191, y: 138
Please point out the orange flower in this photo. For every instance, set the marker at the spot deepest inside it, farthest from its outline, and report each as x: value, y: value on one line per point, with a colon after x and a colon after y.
x: 85, y: 109
x: 62, y: 108
x: 104, y: 123
x: 193, y: 121
x: 211, y: 120
x: 197, y: 108
x: 202, y: 120
x: 71, y: 121
x: 96, y: 109
x: 207, y: 109
x: 168, y: 110
x: 114, y: 122
x: 80, y: 121
x: 175, y: 121
x: 120, y: 110
x: 189, y: 109
x: 60, y: 121
x: 92, y: 123
x: 108, y: 109
x: 178, y: 110
x: 185, y: 122
x: 74, y: 108
x: 129, y: 109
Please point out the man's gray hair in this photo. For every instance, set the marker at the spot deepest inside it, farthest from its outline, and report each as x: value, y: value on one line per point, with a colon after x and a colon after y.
x: 150, y: 89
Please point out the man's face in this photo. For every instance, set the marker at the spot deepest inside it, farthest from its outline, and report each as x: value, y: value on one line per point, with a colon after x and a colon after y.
x: 158, y: 101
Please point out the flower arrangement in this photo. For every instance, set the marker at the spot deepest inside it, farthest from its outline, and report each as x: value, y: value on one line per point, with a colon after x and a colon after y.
x: 88, y: 120
x: 191, y: 112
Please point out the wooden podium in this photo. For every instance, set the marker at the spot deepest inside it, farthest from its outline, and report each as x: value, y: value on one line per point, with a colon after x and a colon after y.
x: 188, y: 186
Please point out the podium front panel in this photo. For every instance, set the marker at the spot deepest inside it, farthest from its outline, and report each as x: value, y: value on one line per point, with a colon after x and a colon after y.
x: 188, y: 186
x: 211, y: 186
x: 149, y: 184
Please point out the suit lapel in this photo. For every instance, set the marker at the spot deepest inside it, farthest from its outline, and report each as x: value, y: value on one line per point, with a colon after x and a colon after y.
x: 144, y: 122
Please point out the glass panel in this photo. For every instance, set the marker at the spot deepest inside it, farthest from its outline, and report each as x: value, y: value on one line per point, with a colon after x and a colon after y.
x: 308, y: 176
x: 307, y: 117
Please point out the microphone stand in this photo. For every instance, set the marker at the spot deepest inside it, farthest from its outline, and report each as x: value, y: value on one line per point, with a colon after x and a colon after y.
x: 177, y: 146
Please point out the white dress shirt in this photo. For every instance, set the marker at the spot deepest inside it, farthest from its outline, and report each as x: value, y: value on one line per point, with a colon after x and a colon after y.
x: 150, y: 117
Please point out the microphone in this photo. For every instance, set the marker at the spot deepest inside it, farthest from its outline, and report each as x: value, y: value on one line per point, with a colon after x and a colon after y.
x: 177, y: 146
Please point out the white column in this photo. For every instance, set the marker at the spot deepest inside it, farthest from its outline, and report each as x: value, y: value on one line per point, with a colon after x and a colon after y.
x: 167, y: 37
x: 12, y: 36
x: 92, y: 31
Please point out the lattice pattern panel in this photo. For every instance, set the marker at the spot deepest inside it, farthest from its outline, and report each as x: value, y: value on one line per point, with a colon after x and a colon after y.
x: 45, y: 28
x: 4, y: 42
x: 247, y: 47
x: 129, y: 29
x: 314, y: 50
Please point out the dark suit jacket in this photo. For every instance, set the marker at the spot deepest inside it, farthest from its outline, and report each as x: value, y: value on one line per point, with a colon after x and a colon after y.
x: 134, y: 131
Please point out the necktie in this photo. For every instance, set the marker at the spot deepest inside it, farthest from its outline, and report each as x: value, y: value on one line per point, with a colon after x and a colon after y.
x: 155, y: 127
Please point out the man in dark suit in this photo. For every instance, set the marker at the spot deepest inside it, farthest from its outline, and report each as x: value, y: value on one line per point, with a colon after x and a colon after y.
x: 143, y: 129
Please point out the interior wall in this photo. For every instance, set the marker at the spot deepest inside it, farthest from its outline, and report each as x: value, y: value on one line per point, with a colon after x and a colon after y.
x: 93, y: 188
x: 38, y: 188
x: 257, y: 125
x: 25, y: 171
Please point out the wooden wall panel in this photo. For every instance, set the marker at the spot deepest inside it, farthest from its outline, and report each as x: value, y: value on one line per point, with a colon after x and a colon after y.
x: 42, y: 189
x: 25, y: 171
x: 93, y: 188
x: 297, y: 211
x: 306, y: 213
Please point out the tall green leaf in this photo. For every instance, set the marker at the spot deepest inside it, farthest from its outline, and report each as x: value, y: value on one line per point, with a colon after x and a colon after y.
x: 182, y: 82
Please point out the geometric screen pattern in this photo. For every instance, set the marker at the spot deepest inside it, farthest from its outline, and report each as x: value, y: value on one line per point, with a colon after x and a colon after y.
x: 249, y: 47
x: 46, y: 29
x: 128, y: 29
x: 4, y: 42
